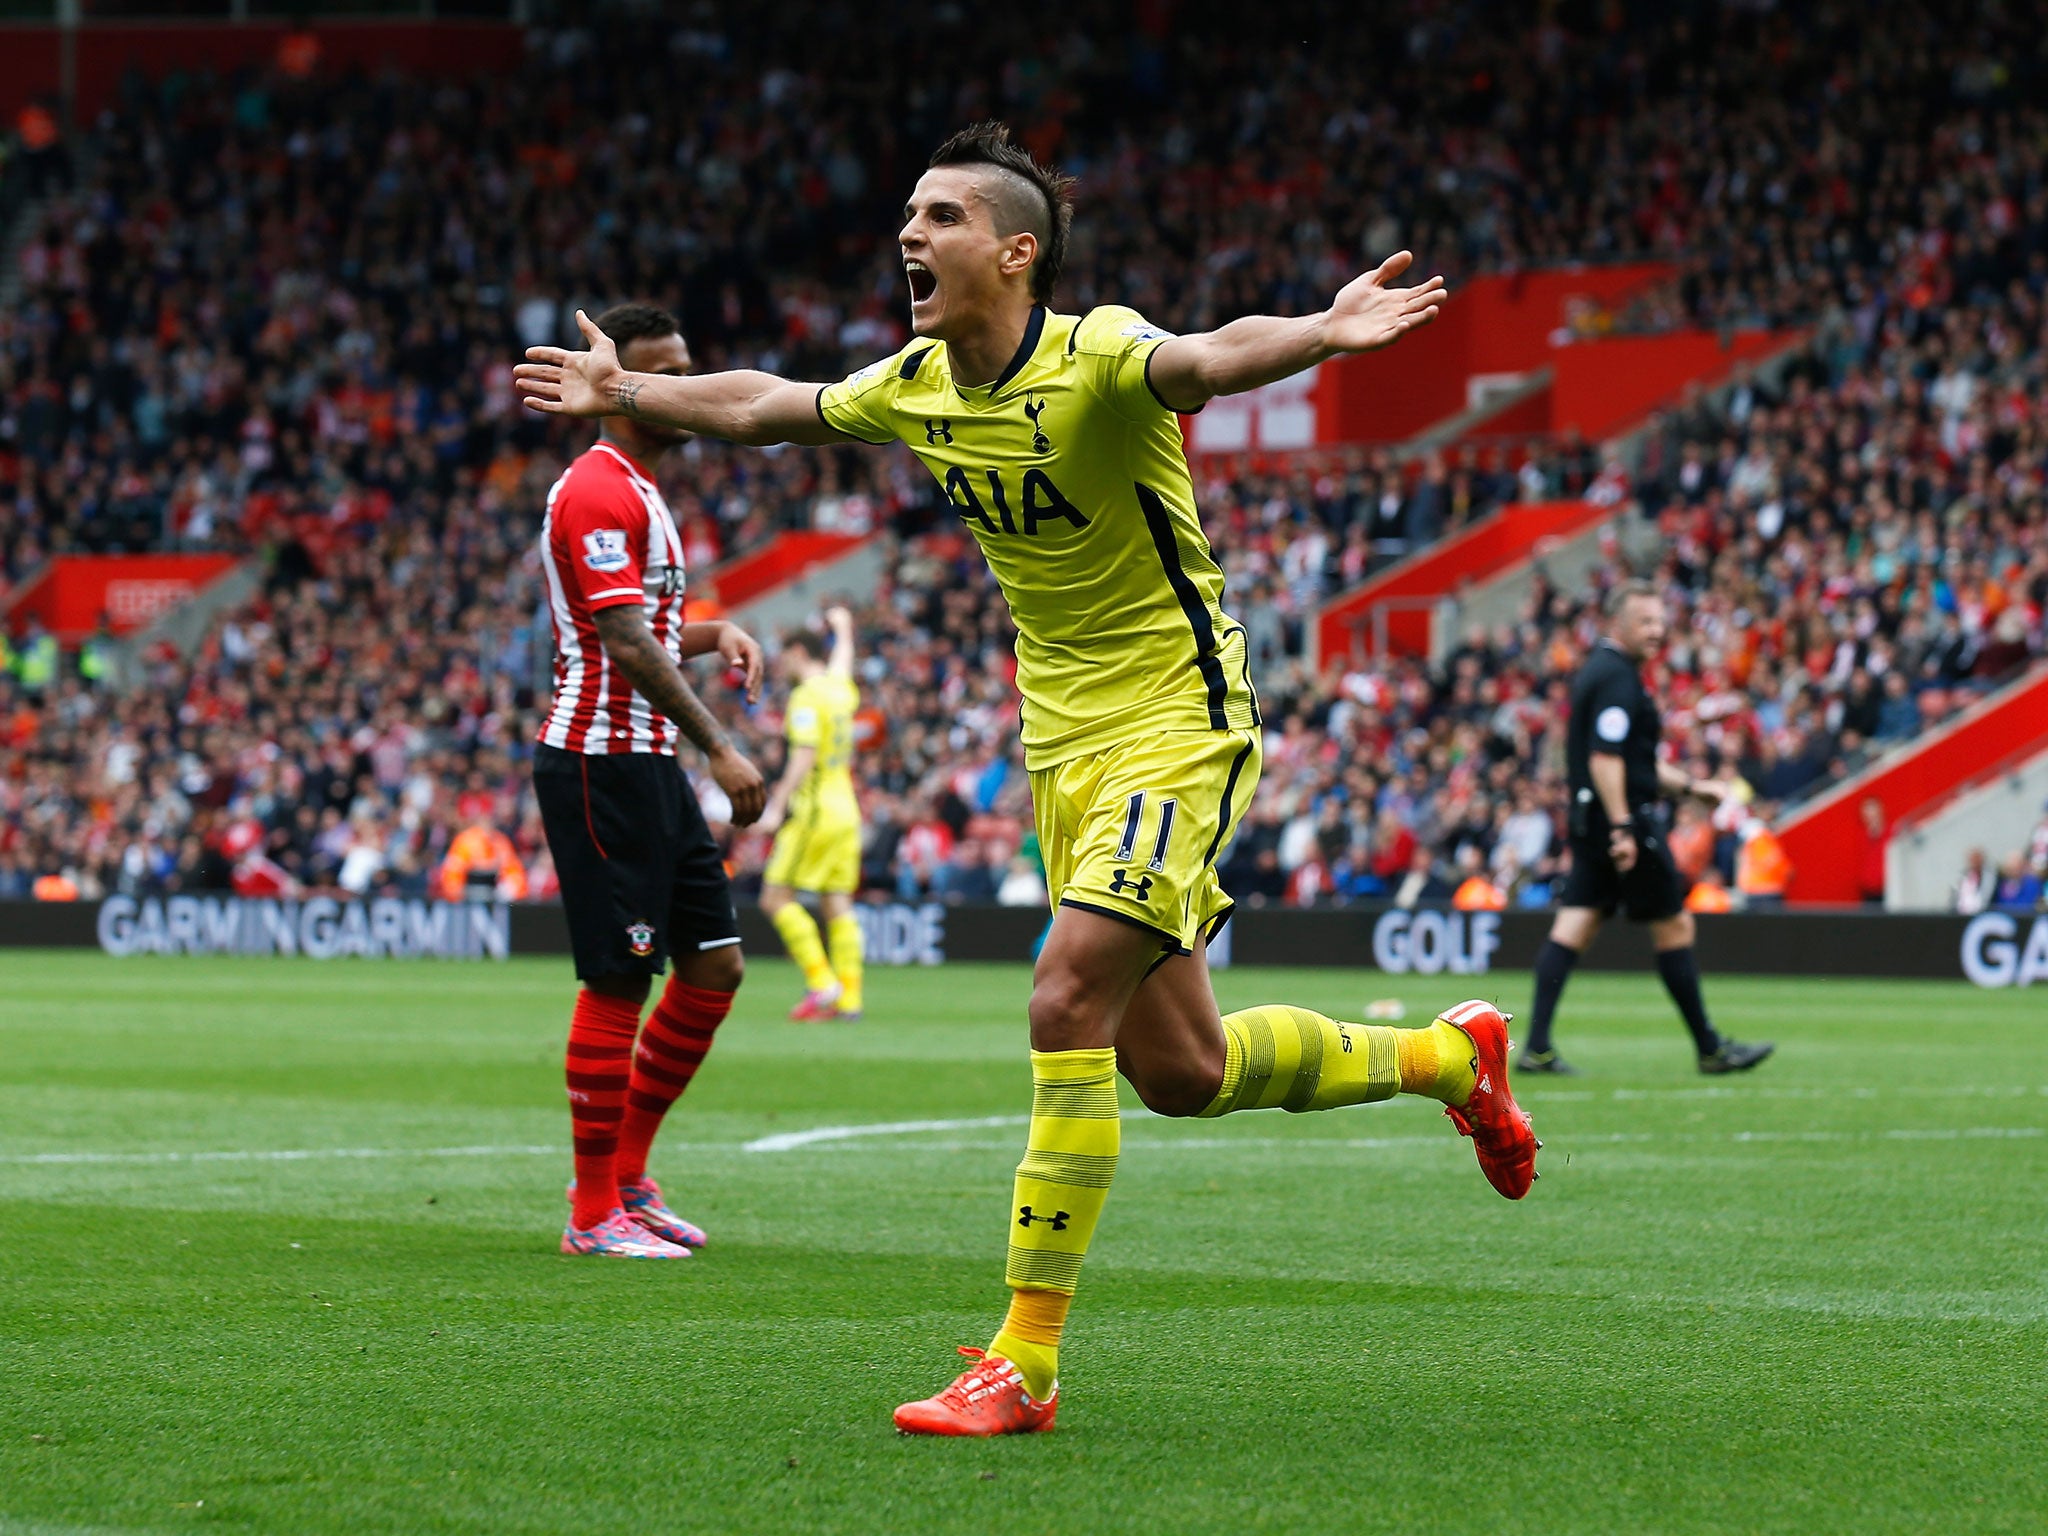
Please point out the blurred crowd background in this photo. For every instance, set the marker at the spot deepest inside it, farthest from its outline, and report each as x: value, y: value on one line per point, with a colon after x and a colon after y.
x: 277, y: 316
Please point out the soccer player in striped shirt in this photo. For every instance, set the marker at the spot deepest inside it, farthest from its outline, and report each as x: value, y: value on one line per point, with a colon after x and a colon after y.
x: 641, y: 875
x: 1058, y: 442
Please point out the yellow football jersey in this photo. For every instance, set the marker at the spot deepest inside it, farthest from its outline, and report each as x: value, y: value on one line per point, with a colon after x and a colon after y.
x: 821, y: 716
x: 1070, y: 473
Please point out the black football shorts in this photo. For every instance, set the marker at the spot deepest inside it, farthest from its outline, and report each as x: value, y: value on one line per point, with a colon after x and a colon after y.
x: 1651, y: 891
x: 640, y: 872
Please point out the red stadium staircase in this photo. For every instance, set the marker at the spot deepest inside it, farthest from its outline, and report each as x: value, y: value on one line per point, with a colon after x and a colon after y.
x: 1397, y: 612
x: 70, y: 594
x: 1823, y: 838
x: 792, y: 575
x: 1509, y: 356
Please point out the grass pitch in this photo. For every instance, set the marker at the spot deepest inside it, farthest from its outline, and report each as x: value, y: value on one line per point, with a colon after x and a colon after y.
x: 278, y: 1255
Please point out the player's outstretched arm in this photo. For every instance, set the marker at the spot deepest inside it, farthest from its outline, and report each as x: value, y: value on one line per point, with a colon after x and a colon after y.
x: 655, y: 676
x: 742, y: 406
x: 1368, y: 313
x: 841, y: 621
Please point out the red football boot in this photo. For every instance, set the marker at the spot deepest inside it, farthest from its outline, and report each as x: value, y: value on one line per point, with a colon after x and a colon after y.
x: 987, y: 1399
x: 1501, y: 1133
x: 816, y: 1007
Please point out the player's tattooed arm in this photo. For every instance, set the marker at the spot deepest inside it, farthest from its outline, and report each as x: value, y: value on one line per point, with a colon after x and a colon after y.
x: 625, y: 392
x: 1368, y: 313
x: 656, y: 677
x: 741, y: 406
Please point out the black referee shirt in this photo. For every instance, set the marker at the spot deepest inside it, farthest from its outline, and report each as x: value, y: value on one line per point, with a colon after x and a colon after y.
x: 1611, y: 712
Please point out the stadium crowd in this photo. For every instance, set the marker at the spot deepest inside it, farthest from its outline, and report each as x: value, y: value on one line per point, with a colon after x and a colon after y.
x: 275, y: 302
x: 279, y: 314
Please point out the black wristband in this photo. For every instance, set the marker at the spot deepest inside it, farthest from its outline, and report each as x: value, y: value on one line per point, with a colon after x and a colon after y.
x: 1626, y: 824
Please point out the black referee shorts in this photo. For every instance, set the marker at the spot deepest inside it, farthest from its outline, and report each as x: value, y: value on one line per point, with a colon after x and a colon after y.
x: 1651, y: 891
x: 640, y: 872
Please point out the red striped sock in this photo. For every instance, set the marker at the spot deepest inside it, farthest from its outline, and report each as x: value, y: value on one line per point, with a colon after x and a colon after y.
x: 599, y: 1072
x: 673, y: 1044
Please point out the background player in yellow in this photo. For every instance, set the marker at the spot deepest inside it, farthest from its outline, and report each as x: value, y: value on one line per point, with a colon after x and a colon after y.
x: 815, y: 817
x: 1057, y: 442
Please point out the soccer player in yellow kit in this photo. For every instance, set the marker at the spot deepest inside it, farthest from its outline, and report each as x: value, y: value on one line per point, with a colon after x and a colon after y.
x: 1056, y: 439
x: 815, y: 817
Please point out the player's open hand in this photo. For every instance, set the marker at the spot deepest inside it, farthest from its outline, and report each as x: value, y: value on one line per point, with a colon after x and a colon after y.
x: 742, y: 784
x: 742, y: 652
x: 1368, y: 313
x: 565, y: 383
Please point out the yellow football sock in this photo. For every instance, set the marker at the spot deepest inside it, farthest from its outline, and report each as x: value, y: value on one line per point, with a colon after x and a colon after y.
x: 1437, y: 1062
x: 800, y: 938
x: 1030, y: 1337
x: 844, y: 937
x: 1069, y: 1160
x: 1281, y: 1057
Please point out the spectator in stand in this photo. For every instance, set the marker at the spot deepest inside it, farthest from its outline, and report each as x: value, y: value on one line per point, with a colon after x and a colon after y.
x: 1422, y: 886
x: 482, y: 865
x: 1762, y: 868
x: 1976, y: 887
x: 965, y: 877
x: 1874, y: 837
x: 1709, y: 893
x: 1476, y: 892
x: 2019, y: 888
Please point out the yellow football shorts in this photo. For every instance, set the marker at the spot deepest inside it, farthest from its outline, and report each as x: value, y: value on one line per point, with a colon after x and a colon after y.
x: 816, y: 851
x: 1134, y: 832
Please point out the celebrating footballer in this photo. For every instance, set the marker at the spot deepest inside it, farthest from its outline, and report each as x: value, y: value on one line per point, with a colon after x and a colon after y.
x: 1057, y: 440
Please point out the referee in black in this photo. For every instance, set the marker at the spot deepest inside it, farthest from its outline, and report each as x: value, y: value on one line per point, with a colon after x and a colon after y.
x: 1618, y: 822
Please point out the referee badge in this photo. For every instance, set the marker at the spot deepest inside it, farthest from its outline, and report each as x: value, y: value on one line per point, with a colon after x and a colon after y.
x: 641, y: 937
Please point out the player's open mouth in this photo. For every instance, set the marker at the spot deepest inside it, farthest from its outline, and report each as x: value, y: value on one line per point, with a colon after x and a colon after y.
x: 922, y: 283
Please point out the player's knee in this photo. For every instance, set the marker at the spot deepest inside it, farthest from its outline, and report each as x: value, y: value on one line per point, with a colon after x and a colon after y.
x: 1066, y: 1013
x: 1179, y: 1090
x: 1674, y: 932
x: 716, y: 970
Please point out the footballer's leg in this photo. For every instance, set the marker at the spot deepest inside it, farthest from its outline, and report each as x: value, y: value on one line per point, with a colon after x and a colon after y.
x: 1086, y: 974
x: 677, y: 1035
x: 845, y: 944
x: 1184, y: 1058
x: 1679, y: 969
x: 610, y: 896
x: 1182, y: 797
x: 1572, y: 931
x: 780, y: 882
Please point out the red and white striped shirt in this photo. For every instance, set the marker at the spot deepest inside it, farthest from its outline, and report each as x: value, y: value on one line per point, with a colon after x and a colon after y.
x: 608, y: 540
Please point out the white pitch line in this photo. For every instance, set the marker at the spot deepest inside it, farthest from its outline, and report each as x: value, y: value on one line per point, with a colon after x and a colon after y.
x: 789, y: 1141
x: 282, y: 1155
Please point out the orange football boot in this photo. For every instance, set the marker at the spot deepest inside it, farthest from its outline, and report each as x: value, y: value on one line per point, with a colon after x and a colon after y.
x: 988, y: 1398
x: 1501, y: 1133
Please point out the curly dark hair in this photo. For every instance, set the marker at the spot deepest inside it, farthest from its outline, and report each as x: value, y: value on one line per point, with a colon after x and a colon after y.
x: 637, y: 322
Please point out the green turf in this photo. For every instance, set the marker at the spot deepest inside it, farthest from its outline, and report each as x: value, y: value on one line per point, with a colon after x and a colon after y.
x: 1814, y: 1300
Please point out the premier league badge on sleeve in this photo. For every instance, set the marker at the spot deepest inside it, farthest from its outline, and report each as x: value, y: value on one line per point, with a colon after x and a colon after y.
x: 640, y: 936
x: 604, y: 549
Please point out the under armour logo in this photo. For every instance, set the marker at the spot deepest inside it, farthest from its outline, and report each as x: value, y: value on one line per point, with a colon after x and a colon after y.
x: 1040, y: 443
x: 936, y: 431
x: 1057, y: 1221
x: 1140, y: 888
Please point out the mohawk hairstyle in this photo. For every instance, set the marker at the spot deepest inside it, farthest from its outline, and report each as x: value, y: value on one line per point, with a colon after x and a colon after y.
x: 637, y: 322
x: 989, y: 144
